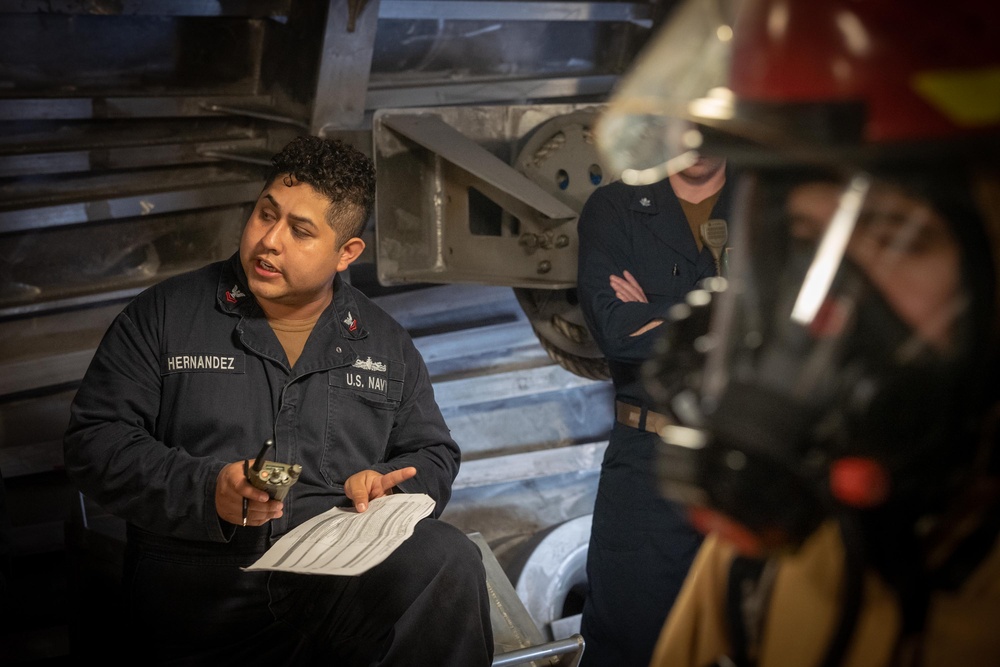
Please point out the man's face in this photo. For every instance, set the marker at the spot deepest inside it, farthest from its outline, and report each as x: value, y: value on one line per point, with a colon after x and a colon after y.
x: 289, y: 252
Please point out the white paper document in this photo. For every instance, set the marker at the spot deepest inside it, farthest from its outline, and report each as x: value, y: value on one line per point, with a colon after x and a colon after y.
x: 345, y: 542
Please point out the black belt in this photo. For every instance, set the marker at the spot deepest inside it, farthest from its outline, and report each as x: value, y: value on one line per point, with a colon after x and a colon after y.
x: 641, y: 418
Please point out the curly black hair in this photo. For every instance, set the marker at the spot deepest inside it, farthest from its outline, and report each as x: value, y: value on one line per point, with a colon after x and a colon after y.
x: 339, y: 171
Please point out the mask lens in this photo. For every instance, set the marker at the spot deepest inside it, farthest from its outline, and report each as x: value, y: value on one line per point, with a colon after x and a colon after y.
x: 841, y: 335
x: 827, y: 266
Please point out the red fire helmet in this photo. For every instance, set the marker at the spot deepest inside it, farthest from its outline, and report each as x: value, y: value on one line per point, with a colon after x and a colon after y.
x: 821, y: 72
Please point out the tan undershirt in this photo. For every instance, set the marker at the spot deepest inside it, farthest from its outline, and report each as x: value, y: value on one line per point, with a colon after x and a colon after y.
x: 697, y: 214
x: 292, y: 334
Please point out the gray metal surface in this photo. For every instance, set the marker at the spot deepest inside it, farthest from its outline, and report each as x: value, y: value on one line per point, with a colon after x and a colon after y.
x: 553, y: 571
x: 638, y: 13
x: 429, y: 131
x: 513, y: 627
x: 480, y: 219
x: 154, y: 7
x: 484, y: 91
x: 568, y: 652
x: 348, y: 44
x: 534, y: 465
x: 35, y: 217
x: 516, y: 639
x: 122, y: 107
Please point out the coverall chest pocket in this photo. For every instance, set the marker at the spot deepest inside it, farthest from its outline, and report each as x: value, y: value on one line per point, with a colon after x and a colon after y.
x: 661, y: 269
x: 361, y: 411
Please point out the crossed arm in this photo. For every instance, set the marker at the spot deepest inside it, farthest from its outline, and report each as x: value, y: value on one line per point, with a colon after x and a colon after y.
x: 628, y: 289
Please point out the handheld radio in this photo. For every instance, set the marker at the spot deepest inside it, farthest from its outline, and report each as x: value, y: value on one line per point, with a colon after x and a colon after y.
x: 275, y: 478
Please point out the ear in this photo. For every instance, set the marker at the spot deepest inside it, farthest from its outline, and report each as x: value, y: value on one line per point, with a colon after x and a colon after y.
x: 349, y: 252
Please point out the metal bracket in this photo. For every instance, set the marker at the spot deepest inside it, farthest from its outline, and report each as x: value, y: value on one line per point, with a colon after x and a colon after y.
x: 429, y: 174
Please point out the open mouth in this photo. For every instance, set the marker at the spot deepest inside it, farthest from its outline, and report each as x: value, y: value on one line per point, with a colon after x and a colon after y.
x: 266, y: 268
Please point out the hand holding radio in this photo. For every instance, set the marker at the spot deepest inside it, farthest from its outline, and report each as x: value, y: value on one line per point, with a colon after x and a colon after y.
x: 275, y: 478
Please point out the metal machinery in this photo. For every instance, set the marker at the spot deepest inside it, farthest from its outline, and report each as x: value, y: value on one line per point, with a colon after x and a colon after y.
x: 132, y: 140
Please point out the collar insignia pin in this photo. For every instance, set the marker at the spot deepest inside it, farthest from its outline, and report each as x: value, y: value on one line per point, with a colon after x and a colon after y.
x: 234, y: 294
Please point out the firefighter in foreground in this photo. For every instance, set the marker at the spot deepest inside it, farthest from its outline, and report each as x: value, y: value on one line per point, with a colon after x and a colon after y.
x: 837, y: 399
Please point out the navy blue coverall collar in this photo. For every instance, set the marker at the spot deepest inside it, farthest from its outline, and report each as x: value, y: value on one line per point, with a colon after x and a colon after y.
x: 340, y: 318
x: 658, y: 197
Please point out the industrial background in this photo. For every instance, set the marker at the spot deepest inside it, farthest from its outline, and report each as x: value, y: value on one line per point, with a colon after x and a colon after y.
x: 133, y: 137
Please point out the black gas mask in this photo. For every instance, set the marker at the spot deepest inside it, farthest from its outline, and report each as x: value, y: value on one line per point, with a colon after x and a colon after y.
x: 829, y: 374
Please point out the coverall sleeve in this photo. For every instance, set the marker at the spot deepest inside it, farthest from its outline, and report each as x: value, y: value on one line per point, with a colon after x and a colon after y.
x: 109, y: 448
x: 421, y: 438
x: 606, y: 249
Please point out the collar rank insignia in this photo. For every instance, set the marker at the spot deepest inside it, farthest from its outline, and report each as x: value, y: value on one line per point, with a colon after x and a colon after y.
x: 234, y: 294
x: 645, y: 201
x: 352, y: 324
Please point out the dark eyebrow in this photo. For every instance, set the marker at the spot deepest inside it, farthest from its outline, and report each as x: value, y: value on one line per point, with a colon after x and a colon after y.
x: 295, y: 218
